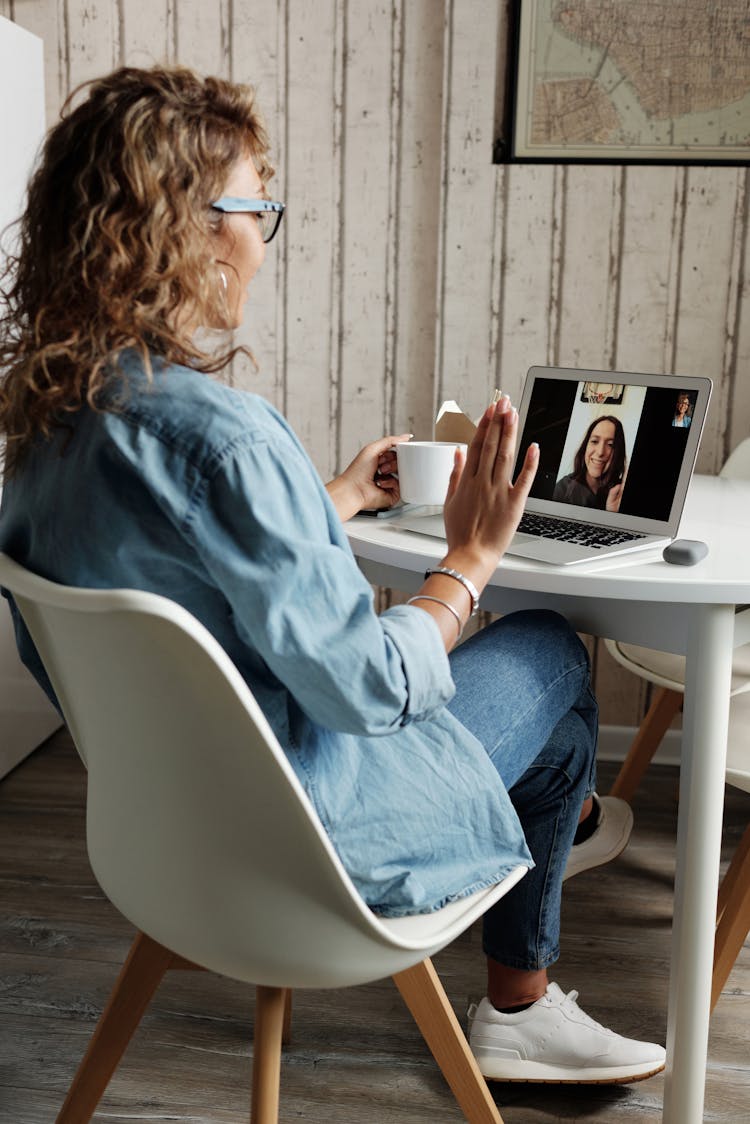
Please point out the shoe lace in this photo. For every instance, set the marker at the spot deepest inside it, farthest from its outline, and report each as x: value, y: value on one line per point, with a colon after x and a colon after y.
x: 570, y: 1000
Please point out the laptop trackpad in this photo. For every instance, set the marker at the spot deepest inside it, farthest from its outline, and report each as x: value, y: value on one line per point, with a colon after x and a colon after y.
x: 434, y: 526
x: 548, y: 550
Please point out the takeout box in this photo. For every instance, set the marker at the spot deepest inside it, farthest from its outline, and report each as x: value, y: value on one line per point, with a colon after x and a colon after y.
x: 452, y: 424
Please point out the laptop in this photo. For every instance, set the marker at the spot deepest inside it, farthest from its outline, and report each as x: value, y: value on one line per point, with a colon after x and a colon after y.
x: 617, y: 453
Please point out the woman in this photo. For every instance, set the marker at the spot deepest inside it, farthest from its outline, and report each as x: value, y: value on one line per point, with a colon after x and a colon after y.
x: 599, y: 468
x: 127, y: 465
x: 682, y: 417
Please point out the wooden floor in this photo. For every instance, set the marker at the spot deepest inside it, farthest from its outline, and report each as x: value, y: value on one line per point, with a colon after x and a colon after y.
x: 355, y: 1057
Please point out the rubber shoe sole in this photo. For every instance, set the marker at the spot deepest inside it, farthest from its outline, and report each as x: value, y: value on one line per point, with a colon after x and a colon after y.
x: 495, y: 1068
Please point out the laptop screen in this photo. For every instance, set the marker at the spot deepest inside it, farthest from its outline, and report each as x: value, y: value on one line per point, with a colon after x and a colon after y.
x: 615, y: 449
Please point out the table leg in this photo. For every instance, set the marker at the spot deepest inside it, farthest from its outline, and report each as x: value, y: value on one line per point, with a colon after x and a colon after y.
x: 704, y: 747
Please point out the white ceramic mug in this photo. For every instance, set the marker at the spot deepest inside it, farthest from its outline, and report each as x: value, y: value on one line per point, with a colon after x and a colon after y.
x: 424, y: 469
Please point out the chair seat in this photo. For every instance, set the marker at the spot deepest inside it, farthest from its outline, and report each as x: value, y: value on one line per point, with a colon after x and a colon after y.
x: 738, y: 748
x: 668, y: 670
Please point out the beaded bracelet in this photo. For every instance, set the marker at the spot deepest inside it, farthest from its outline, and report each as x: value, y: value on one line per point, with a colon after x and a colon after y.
x: 445, y: 604
x: 468, y: 585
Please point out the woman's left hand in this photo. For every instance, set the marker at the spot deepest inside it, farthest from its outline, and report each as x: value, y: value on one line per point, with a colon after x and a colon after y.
x: 369, y: 483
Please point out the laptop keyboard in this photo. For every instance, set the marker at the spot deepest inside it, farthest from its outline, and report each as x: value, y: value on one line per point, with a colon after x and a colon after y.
x: 568, y: 530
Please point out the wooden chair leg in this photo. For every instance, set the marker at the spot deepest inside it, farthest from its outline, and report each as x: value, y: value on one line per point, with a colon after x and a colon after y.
x: 734, y: 924
x: 654, y: 726
x: 286, y: 1032
x: 270, y: 1009
x: 138, y: 980
x: 423, y: 994
x: 733, y: 876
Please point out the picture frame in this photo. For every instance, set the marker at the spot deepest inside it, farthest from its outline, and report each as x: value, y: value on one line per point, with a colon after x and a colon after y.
x: 592, y: 82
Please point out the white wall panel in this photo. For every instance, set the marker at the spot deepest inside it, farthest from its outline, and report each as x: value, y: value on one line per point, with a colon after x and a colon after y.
x: 368, y: 222
x: 731, y: 375
x: 147, y: 33
x: 648, y: 266
x: 466, y: 331
x: 202, y: 34
x: 416, y: 114
x: 259, y: 58
x: 527, y: 276
x: 591, y: 218
x: 705, y: 299
x: 314, y: 170
x: 92, y: 37
x: 738, y: 409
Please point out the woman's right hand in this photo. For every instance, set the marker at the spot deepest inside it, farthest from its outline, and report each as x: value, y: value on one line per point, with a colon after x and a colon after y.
x: 614, y: 495
x: 483, y: 506
x: 482, y: 510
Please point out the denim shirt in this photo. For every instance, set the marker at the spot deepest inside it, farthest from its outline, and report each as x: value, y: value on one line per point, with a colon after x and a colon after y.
x: 202, y: 493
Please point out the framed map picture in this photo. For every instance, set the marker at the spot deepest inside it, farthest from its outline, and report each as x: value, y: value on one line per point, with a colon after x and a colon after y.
x: 632, y: 80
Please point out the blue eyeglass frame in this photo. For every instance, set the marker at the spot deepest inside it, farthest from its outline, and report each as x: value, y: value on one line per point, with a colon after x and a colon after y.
x: 232, y: 204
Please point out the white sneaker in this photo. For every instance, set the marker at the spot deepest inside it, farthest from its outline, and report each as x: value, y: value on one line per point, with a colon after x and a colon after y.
x: 608, y: 839
x: 554, y: 1040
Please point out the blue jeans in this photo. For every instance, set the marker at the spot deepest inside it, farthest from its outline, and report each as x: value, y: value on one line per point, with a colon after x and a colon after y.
x: 523, y: 689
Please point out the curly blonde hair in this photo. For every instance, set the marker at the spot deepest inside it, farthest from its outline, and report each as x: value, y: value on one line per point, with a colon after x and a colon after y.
x: 115, y: 245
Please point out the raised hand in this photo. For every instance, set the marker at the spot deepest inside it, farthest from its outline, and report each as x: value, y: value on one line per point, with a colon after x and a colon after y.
x: 483, y: 506
x: 614, y: 495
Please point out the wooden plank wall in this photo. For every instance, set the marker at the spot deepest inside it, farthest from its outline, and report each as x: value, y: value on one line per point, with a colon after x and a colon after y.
x: 410, y: 268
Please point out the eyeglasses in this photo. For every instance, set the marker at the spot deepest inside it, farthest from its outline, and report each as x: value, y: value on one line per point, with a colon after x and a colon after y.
x: 268, y: 213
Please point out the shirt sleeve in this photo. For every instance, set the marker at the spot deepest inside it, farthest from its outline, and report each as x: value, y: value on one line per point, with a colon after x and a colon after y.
x: 271, y: 541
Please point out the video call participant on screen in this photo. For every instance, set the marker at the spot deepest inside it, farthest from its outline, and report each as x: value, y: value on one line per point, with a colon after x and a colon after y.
x: 599, y: 467
x: 681, y: 417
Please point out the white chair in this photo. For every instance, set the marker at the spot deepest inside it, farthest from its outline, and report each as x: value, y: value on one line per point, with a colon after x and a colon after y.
x: 733, y: 912
x: 667, y: 672
x: 200, y: 834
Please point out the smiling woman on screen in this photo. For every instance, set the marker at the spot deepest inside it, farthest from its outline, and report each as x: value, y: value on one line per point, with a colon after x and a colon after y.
x: 599, y: 468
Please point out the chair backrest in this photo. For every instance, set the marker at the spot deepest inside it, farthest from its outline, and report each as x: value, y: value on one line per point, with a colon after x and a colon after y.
x: 738, y: 758
x: 737, y: 464
x: 737, y: 467
x: 197, y: 828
